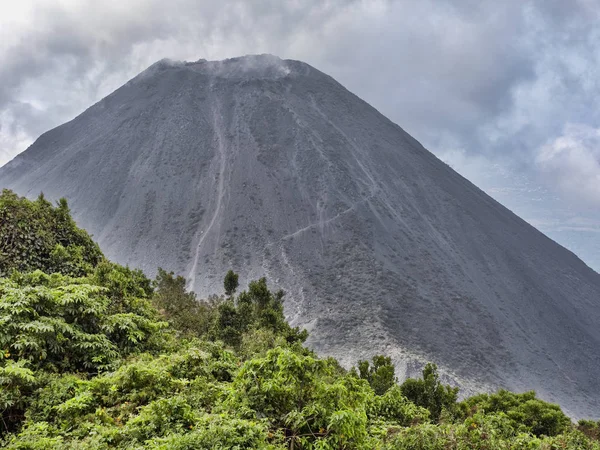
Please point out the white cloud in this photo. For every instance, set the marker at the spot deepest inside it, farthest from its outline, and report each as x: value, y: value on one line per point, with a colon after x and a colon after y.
x: 572, y: 161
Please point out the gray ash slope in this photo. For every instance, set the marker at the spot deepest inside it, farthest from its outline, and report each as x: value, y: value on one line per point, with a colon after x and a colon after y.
x: 272, y: 168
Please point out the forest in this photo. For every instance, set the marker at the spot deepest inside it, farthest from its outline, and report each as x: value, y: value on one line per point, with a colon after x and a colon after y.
x: 94, y: 355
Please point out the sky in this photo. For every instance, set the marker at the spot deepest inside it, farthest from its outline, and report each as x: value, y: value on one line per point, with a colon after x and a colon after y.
x: 505, y: 92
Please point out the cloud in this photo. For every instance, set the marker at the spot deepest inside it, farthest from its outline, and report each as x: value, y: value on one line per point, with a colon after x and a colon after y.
x: 572, y: 160
x: 57, y: 58
x: 493, y: 80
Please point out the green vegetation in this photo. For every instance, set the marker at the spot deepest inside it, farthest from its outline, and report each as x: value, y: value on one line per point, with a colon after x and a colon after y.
x: 430, y: 393
x: 95, y: 356
x: 379, y: 374
x: 36, y: 235
x: 524, y: 411
x: 231, y: 282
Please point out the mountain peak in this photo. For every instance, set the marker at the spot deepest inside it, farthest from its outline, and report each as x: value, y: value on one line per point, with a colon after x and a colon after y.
x: 249, y: 67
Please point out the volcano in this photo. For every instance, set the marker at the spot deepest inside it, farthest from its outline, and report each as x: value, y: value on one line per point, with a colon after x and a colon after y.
x: 272, y: 168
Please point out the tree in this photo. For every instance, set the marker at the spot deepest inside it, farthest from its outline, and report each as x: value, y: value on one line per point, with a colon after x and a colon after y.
x: 229, y: 324
x: 255, y: 309
x: 231, y: 282
x: 429, y: 392
x: 380, y: 374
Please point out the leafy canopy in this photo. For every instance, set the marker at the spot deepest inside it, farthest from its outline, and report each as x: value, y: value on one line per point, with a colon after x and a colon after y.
x: 379, y: 374
x: 430, y: 393
x: 38, y: 236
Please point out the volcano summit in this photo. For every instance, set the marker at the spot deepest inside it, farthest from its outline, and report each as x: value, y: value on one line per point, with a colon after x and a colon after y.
x: 274, y: 169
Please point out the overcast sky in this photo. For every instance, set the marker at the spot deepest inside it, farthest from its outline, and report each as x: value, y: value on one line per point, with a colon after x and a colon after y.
x: 506, y: 92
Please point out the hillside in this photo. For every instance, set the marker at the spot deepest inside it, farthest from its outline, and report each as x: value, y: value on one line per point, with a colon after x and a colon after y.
x: 106, y: 359
x: 273, y: 168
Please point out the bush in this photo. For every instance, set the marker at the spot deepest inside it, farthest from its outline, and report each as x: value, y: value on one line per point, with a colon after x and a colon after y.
x: 430, y: 393
x: 590, y: 428
x: 303, y: 396
x: 221, y: 432
x: 526, y: 412
x: 395, y: 408
x: 190, y: 317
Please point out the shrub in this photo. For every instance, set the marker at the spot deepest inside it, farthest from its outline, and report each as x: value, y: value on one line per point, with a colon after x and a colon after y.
x: 430, y: 393
x: 189, y: 316
x: 303, y: 396
x: 395, y: 408
x: 526, y: 412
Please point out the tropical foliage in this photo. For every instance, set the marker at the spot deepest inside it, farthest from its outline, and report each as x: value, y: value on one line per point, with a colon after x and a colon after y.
x: 36, y: 235
x: 95, y: 356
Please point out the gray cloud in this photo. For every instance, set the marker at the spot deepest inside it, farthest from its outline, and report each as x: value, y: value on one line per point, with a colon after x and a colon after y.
x: 491, y: 81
